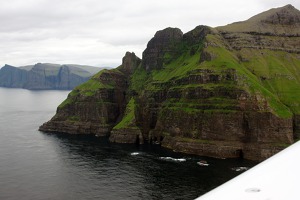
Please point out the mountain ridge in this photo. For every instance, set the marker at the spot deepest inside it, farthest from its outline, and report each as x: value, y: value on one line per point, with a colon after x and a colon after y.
x: 276, y: 21
x: 46, y: 76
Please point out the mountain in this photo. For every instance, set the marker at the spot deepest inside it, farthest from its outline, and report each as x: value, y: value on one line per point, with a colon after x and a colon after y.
x: 277, y: 21
x: 43, y: 76
x: 230, y: 91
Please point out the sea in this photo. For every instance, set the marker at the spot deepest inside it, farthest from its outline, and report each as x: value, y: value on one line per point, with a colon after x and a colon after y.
x: 41, y: 166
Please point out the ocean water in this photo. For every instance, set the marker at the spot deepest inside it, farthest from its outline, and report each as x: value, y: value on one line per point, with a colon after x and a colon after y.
x: 37, y: 166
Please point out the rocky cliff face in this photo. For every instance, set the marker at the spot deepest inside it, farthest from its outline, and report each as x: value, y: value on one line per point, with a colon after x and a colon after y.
x: 164, y: 41
x: 45, y: 76
x: 221, y: 92
x: 12, y: 77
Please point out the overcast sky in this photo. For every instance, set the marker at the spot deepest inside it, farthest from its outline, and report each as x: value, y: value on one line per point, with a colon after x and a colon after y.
x: 99, y: 32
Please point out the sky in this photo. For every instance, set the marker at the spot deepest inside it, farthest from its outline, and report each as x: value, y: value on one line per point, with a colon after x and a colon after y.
x: 99, y: 32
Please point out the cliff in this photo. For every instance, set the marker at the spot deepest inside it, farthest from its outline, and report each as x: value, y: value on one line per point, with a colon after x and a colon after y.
x: 45, y: 76
x: 229, y: 91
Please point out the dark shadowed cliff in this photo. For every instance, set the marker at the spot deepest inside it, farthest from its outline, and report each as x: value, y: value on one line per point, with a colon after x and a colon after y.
x: 225, y: 92
x: 46, y: 76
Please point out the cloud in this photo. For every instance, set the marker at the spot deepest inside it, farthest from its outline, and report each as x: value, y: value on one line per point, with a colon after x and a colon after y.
x: 99, y: 32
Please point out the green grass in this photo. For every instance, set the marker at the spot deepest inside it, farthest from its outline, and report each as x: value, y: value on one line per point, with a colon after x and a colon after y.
x: 96, y: 76
x: 247, y: 80
x: 65, y: 103
x: 129, y: 116
x: 183, y: 59
x: 191, y: 110
x: 176, y: 69
x: 139, y: 79
x: 228, y: 85
x: 280, y: 72
x: 90, y: 87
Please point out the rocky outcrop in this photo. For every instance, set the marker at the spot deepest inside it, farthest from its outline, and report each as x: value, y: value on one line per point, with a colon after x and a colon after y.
x: 95, y: 111
x: 126, y: 135
x: 287, y: 15
x: 196, y: 35
x: 96, y: 106
x: 164, y: 42
x: 129, y: 63
x: 224, y: 92
x: 44, y: 76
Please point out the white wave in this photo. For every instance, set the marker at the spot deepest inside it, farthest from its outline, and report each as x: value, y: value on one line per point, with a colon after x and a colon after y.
x: 173, y: 159
x: 240, y: 169
x: 134, y: 153
x: 202, y: 163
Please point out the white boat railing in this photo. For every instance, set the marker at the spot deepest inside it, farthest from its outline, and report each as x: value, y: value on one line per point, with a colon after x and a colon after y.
x: 277, y: 178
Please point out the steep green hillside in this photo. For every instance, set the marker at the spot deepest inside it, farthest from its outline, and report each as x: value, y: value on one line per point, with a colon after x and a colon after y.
x: 188, y: 64
x: 90, y: 87
x: 278, y: 72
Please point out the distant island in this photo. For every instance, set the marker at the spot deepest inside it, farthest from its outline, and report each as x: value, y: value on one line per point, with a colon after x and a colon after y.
x: 226, y: 92
x: 46, y: 76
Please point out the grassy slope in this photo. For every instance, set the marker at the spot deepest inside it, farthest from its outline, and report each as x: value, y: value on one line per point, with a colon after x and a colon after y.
x: 279, y: 72
x: 89, y: 88
x: 129, y: 116
x: 224, y: 59
x: 248, y: 81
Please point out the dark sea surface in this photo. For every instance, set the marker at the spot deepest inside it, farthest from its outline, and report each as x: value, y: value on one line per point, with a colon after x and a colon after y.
x: 37, y: 166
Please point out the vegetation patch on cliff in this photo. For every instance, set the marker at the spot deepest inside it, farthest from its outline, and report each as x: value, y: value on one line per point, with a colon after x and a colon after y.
x: 278, y: 72
x: 129, y: 117
x: 246, y: 79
